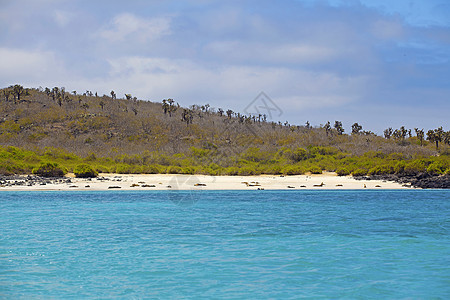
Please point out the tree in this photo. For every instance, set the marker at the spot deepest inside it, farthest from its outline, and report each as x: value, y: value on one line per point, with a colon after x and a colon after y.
x: 446, y: 138
x: 165, y: 106
x: 55, y: 92
x: 187, y: 116
x: 388, y: 133
x: 403, y: 132
x: 307, y: 125
x: 435, y: 136
x: 327, y: 127
x: 18, y: 91
x: 169, y: 106
x: 172, y: 106
x: 338, y: 126
x: 6, y: 94
x: 356, y: 128
x: 420, y: 135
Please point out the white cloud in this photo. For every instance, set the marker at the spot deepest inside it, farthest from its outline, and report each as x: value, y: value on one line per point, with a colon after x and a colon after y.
x: 188, y: 82
x: 127, y: 25
x: 27, y: 67
x: 260, y: 52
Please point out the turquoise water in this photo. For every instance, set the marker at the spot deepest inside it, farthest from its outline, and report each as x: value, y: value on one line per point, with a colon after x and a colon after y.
x: 225, y: 245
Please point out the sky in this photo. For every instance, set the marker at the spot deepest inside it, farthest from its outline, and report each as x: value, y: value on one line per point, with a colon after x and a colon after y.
x: 381, y: 63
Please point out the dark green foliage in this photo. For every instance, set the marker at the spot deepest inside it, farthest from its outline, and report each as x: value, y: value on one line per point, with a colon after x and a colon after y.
x: 174, y: 170
x: 382, y: 170
x: 359, y: 172
x: 415, y: 167
x: 437, y: 168
x: 49, y: 170
x: 85, y: 171
x: 342, y: 172
x: 315, y: 170
x: 295, y: 170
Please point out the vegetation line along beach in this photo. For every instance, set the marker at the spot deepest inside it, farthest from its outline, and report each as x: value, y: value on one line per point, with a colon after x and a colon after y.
x: 50, y: 132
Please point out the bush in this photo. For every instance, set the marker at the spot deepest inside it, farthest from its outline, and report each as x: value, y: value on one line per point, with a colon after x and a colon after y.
x: 342, y: 172
x: 174, y: 170
x: 399, y: 167
x: 298, y: 154
x: 381, y: 170
x: 436, y: 168
x: 359, y: 172
x: 188, y: 170
x: 293, y: 170
x: 315, y: 170
x: 151, y: 169
x: 244, y: 171
x: 49, y: 170
x: 415, y: 167
x: 232, y: 171
x: 124, y: 169
x: 85, y: 171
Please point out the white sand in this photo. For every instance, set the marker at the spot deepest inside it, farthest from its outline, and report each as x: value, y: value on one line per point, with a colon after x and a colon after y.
x: 188, y: 182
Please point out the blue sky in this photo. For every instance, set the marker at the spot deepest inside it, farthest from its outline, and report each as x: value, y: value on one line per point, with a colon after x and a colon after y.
x: 381, y: 63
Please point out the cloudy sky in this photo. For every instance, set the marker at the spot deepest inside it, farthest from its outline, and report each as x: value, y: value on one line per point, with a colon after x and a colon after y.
x: 377, y: 62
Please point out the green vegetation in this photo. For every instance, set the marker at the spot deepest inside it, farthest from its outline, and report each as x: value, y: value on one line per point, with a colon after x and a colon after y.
x: 105, y: 134
x: 56, y: 162
x: 48, y: 170
x: 85, y: 171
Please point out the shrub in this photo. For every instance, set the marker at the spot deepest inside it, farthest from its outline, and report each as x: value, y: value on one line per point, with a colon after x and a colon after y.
x: 399, y: 167
x: 436, y: 168
x: 188, y: 170
x: 273, y: 170
x: 49, y: 170
x: 298, y: 154
x: 244, y: 171
x: 293, y: 170
x: 359, y: 172
x: 415, y: 167
x: 315, y: 170
x: 85, y: 171
x: 232, y: 171
x: 174, y: 170
x: 342, y: 172
x: 381, y: 170
x: 124, y: 169
x: 152, y: 169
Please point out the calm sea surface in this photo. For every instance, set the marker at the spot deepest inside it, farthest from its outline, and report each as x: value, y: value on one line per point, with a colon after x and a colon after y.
x: 225, y: 244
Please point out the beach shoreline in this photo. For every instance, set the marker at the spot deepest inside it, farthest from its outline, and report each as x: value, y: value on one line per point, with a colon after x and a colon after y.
x: 147, y: 182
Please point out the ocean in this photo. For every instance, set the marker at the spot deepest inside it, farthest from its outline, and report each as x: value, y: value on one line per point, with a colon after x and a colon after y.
x: 225, y: 244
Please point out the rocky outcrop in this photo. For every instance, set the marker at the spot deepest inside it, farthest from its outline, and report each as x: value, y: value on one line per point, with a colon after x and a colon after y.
x: 421, y: 180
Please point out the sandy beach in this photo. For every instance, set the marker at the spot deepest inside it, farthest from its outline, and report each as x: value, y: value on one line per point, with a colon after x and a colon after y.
x: 202, y: 182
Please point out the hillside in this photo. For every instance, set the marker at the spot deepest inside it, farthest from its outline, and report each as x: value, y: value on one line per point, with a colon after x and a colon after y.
x: 131, y: 135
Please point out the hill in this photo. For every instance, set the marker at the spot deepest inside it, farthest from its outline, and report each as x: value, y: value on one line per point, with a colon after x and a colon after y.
x: 128, y: 135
